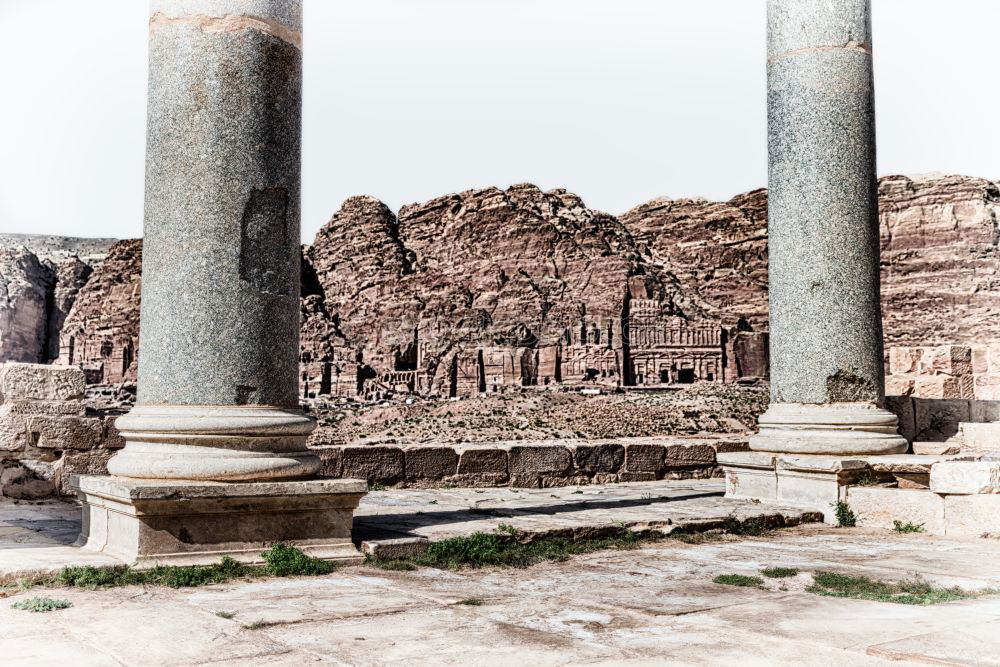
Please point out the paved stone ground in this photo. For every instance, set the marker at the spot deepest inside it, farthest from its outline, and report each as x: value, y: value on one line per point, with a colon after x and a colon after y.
x: 652, y: 605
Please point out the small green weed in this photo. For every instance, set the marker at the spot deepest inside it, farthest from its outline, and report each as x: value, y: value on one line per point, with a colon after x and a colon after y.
x: 285, y: 561
x: 739, y: 580
x: 748, y: 528
x: 845, y: 515
x: 909, y: 591
x: 225, y: 614
x: 375, y: 486
x: 907, y: 527
x: 40, y: 604
x: 867, y: 478
x: 472, y: 602
x: 779, y: 572
x: 256, y: 625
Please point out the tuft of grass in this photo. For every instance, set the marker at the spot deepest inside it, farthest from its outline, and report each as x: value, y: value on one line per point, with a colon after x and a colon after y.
x: 256, y: 625
x: 472, y: 602
x: 41, y: 604
x: 161, y: 575
x: 845, y: 515
x: 739, y: 580
x: 908, y: 527
x: 908, y: 591
x: 375, y: 486
x: 867, y: 478
x: 282, y: 560
x: 779, y: 572
x: 225, y: 614
x: 748, y: 528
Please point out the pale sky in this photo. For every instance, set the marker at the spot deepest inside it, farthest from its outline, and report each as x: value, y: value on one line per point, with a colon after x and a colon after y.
x: 619, y: 101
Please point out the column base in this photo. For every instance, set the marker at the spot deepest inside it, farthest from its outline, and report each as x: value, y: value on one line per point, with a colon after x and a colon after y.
x: 214, y: 443
x: 146, y: 522
x: 836, y: 429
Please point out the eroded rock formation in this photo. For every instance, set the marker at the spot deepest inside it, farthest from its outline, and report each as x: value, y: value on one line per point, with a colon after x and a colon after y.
x: 101, y: 333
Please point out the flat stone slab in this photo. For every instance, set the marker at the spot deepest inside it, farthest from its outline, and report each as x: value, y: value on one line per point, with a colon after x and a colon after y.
x: 652, y: 605
x: 913, y: 463
x: 966, y: 477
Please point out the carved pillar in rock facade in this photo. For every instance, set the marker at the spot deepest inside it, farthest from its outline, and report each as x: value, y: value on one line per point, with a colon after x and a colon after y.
x: 220, y: 278
x: 827, y: 375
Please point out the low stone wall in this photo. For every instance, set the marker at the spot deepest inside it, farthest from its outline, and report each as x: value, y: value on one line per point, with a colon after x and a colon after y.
x: 46, y: 434
x: 938, y: 420
x: 530, y: 464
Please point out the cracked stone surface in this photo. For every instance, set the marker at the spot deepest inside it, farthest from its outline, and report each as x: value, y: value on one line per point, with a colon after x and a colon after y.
x: 652, y: 605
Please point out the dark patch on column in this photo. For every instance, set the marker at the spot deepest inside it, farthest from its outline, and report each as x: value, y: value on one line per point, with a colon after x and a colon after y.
x: 847, y: 387
x: 264, y: 241
x: 245, y: 395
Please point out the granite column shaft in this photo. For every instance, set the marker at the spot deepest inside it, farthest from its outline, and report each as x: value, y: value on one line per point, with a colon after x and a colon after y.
x: 827, y: 374
x: 218, y: 365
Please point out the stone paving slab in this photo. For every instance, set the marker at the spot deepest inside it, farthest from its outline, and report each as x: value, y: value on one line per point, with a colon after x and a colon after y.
x: 655, y: 605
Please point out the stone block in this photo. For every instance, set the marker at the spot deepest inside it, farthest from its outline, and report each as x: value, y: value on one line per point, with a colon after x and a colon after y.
x: 749, y: 475
x: 980, y: 360
x: 594, y: 459
x: 49, y: 432
x: 900, y: 385
x: 984, y: 411
x: 331, y: 460
x: 816, y: 481
x: 965, y: 477
x: 430, y: 462
x: 902, y: 407
x: 644, y: 458
x: 539, y: 460
x: 402, y: 547
x: 374, y: 464
x: 937, y: 420
x: 935, y: 448
x: 112, y: 439
x: 479, y: 461
x: 954, y: 360
x: 41, y: 382
x: 727, y: 446
x: 525, y: 481
x: 637, y: 477
x: 993, y: 358
x: 979, y: 437
x: 19, y: 481
x: 478, y: 479
x: 971, y: 516
x: 689, y: 455
x: 904, y: 360
x: 943, y: 387
x: 908, y: 463
x: 93, y: 462
x: 147, y: 522
x: 986, y: 387
x: 878, y: 507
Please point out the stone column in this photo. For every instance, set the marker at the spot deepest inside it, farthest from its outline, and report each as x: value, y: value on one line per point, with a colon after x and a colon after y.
x: 219, y: 333
x: 827, y: 375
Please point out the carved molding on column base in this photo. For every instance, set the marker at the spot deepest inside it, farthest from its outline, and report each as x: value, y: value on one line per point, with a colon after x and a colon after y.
x: 837, y: 429
x: 214, y: 443
x: 146, y: 523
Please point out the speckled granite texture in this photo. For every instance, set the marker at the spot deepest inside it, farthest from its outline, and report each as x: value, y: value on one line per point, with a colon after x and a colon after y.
x: 826, y: 331
x: 220, y: 308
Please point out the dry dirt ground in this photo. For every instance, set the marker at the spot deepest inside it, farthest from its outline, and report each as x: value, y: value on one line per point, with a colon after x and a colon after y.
x: 543, y: 415
x: 654, y: 605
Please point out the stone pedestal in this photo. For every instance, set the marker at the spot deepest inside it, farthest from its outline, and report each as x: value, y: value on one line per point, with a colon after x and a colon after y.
x: 827, y: 375
x: 147, y: 522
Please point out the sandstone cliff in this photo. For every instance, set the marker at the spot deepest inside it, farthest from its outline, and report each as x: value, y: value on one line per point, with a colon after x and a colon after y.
x: 940, y: 260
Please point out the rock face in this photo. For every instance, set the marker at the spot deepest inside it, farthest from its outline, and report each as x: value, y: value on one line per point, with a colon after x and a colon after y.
x: 717, y: 250
x: 40, y: 277
x: 25, y: 287
x: 489, y: 288
x: 101, y: 333
x: 940, y: 260
x: 940, y: 257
